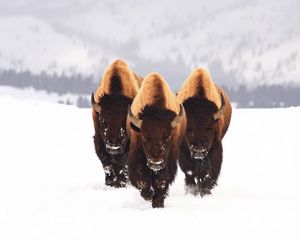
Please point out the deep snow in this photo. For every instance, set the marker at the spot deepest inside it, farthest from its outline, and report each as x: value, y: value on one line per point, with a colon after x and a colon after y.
x: 52, y: 184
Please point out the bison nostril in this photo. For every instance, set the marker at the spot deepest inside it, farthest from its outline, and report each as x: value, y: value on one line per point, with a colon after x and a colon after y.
x: 203, y: 150
x: 113, y: 146
x: 199, y: 152
x: 155, y: 164
x: 199, y: 149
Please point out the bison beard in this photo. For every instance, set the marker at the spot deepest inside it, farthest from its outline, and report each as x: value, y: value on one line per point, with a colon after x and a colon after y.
x: 114, y: 166
x: 201, y: 175
x: 152, y: 185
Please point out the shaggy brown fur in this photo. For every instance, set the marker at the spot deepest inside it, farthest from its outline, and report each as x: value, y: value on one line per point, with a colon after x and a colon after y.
x: 118, y: 78
x: 201, y: 152
x: 118, y: 87
x: 152, y: 161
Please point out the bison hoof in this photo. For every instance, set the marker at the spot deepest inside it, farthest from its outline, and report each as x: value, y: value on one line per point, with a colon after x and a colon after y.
x: 158, y: 203
x: 191, y: 189
x: 204, y: 191
x: 147, y: 194
x: 116, y: 184
x: 121, y: 180
x: 120, y: 184
x: 112, y: 181
x: 109, y: 180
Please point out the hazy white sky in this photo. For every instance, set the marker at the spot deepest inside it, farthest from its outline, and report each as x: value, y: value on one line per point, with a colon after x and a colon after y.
x: 250, y: 41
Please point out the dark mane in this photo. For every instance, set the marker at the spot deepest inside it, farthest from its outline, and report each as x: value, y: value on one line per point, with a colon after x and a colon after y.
x: 115, y: 83
x: 200, y: 106
x: 153, y: 112
x: 106, y: 100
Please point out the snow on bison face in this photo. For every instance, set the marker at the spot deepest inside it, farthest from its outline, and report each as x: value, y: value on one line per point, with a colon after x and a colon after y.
x: 202, y: 116
x: 155, y: 127
x: 112, y: 112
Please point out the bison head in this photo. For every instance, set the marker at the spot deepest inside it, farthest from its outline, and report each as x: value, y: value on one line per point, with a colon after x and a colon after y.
x: 202, y: 124
x: 156, y: 128
x: 112, y: 113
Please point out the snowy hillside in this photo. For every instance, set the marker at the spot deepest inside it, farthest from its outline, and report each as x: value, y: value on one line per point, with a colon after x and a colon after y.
x: 32, y: 94
x: 252, y: 42
x: 51, y: 181
x: 30, y: 43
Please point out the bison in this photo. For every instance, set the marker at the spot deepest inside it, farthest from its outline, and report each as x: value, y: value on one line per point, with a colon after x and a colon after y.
x: 117, y: 88
x: 156, y: 124
x: 208, y: 112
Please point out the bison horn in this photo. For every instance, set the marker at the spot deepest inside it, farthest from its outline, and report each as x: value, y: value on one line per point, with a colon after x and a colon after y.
x: 221, y: 110
x: 95, y: 106
x: 177, y: 119
x: 134, y: 120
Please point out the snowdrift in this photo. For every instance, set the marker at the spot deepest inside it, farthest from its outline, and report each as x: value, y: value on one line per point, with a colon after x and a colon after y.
x: 52, y: 184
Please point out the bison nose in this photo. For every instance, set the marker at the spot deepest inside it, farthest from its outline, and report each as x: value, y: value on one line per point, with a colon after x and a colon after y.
x: 155, y: 164
x: 200, y: 149
x: 198, y: 152
x: 113, y: 147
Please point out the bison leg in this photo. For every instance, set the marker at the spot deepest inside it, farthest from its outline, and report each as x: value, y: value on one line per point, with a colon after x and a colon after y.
x: 141, y: 179
x: 160, y: 189
x: 216, y: 157
x: 203, y: 185
x: 190, y: 184
x: 139, y: 174
x: 158, y: 202
x: 120, y: 175
x: 160, y: 182
x: 187, y: 164
x: 109, y: 176
x: 144, y: 186
x: 208, y: 179
x: 120, y: 170
x: 147, y: 193
x: 104, y: 158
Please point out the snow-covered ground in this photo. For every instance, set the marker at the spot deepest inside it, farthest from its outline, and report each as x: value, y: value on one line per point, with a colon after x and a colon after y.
x: 51, y: 182
x: 40, y: 95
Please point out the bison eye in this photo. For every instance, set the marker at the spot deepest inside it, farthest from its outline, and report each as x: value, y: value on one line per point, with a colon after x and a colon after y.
x: 190, y: 131
x: 167, y: 138
x: 144, y: 139
x: 208, y: 129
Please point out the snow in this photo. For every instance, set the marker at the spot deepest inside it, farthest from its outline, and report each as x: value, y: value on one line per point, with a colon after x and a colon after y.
x: 33, y: 94
x: 30, y: 43
x: 52, y: 184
